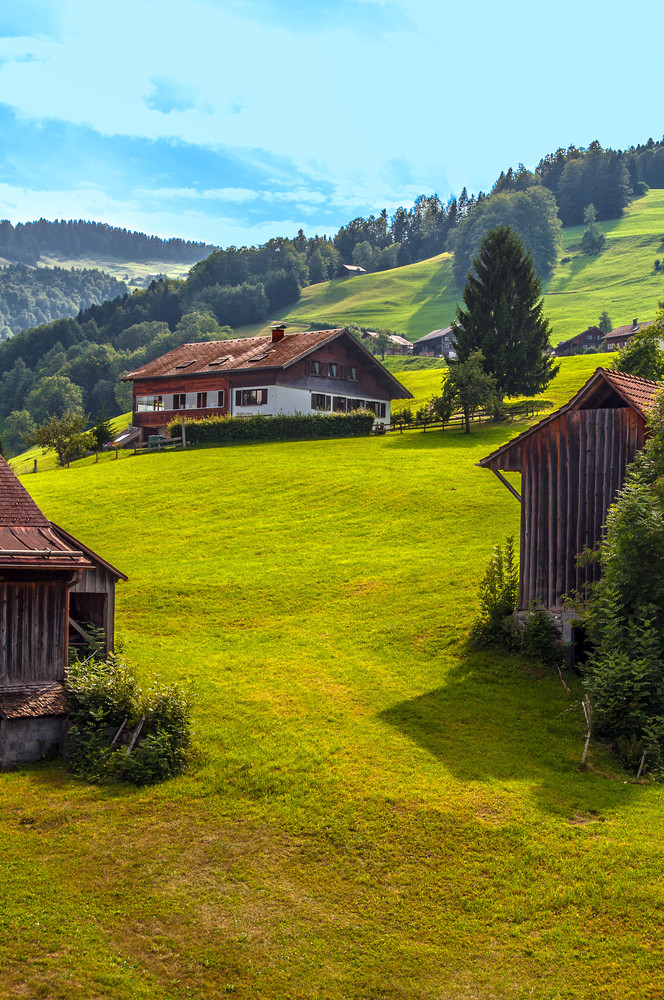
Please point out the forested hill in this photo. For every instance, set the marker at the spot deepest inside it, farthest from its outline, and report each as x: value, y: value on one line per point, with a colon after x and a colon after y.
x: 27, y: 242
x: 32, y: 296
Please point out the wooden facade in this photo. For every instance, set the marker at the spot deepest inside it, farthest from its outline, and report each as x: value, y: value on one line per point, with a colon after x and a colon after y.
x: 44, y: 572
x: 572, y: 464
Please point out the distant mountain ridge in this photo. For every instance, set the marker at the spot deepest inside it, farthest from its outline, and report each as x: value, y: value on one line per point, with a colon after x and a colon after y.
x: 27, y: 242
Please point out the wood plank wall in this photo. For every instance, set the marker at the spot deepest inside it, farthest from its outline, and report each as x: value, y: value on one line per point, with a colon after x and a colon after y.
x: 33, y: 617
x: 571, y: 472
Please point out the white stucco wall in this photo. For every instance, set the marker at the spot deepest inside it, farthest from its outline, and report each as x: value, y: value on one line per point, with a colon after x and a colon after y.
x: 287, y: 399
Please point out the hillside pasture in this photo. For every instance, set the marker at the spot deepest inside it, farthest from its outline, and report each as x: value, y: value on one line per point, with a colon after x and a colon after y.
x: 422, y: 297
x: 375, y: 811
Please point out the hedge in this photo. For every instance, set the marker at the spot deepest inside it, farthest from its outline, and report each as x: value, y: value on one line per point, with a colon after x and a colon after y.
x: 285, y: 427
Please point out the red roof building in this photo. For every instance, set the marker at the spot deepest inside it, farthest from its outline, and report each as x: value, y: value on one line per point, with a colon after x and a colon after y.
x: 572, y: 464
x: 326, y: 371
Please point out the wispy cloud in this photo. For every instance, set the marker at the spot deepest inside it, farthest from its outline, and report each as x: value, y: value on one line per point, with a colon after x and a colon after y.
x: 170, y: 95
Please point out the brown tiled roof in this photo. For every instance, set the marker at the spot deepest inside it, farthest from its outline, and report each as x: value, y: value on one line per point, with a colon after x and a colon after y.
x: 24, y: 530
x: 16, y: 505
x: 235, y: 355
x: 625, y: 331
x: 34, y: 701
x: 638, y: 393
x: 251, y: 354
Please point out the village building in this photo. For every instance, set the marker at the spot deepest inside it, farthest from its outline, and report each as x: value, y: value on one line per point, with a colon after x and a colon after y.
x: 395, y: 343
x: 351, y: 270
x: 437, y: 344
x: 591, y: 337
x: 321, y: 371
x: 572, y: 464
x: 50, y: 585
x: 620, y: 336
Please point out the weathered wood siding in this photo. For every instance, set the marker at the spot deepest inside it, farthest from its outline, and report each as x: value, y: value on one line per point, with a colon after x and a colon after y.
x: 97, y: 582
x: 33, y: 630
x: 571, y: 471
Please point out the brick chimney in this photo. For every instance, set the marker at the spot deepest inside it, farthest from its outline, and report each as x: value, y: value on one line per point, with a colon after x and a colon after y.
x: 635, y: 322
x: 278, y: 332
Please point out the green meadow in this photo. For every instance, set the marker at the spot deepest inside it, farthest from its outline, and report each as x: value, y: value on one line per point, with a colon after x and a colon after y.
x: 374, y: 810
x: 422, y: 297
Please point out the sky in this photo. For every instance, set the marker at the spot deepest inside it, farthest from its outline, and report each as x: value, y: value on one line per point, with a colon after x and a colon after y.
x: 233, y: 121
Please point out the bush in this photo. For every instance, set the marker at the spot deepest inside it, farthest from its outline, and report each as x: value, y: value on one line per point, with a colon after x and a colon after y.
x: 104, y: 696
x: 284, y: 427
x: 499, y: 594
x: 641, y: 188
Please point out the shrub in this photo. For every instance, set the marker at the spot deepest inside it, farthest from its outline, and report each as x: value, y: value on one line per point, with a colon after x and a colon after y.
x: 104, y: 696
x: 284, y: 427
x: 499, y: 593
x: 641, y: 188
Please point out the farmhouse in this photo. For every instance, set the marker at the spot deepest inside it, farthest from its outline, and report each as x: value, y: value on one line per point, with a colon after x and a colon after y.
x: 619, y: 336
x: 438, y: 343
x: 50, y: 586
x: 325, y: 371
x: 591, y: 337
x: 572, y: 463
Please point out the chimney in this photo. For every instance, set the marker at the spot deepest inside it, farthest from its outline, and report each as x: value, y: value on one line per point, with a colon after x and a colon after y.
x: 635, y: 322
x: 278, y: 331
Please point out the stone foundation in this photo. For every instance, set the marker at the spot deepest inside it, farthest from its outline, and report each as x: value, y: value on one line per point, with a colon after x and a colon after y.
x: 25, y: 740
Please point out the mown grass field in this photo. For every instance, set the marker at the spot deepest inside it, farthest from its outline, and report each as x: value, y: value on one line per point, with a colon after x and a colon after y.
x: 422, y: 297
x: 375, y: 812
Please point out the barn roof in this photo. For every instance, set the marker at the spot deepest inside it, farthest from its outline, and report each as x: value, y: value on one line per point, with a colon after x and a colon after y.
x: 638, y: 393
x: 250, y: 354
x: 34, y: 701
x: 434, y: 335
x: 26, y: 535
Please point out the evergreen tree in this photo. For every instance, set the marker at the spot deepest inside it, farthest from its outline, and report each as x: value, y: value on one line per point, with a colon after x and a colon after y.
x: 605, y: 325
x: 503, y: 317
x: 593, y: 239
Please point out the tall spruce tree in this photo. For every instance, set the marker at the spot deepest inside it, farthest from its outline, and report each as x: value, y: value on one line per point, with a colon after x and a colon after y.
x: 503, y: 317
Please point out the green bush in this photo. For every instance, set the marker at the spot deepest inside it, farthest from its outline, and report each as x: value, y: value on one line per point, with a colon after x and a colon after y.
x: 284, y: 427
x: 104, y: 695
x: 499, y: 594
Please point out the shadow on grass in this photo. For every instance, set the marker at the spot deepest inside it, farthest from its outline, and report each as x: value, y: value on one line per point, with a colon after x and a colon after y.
x: 499, y: 720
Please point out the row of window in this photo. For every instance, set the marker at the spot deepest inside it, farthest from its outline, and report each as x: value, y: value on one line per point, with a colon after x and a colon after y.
x: 204, y: 401
x: 345, y: 404
x: 330, y: 369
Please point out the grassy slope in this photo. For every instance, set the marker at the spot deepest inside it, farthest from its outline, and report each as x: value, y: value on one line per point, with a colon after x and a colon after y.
x: 422, y: 297
x: 375, y: 813
x: 120, y: 269
x: 24, y: 462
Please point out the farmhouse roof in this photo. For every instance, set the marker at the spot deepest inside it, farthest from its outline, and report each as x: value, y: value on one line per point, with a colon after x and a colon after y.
x: 26, y: 534
x: 626, y: 331
x: 250, y: 354
x: 639, y: 393
x: 434, y: 335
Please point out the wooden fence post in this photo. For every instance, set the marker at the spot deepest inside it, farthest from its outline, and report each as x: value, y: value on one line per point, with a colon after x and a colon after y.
x: 184, y: 434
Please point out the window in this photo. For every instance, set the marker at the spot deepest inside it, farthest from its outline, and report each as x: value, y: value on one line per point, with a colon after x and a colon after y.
x: 354, y: 404
x: 319, y: 401
x: 351, y: 373
x: 201, y: 400
x: 179, y: 400
x: 339, y: 404
x: 149, y: 403
x: 315, y: 368
x: 382, y: 409
x: 370, y: 405
x: 250, y: 397
x: 221, y: 397
x: 333, y: 370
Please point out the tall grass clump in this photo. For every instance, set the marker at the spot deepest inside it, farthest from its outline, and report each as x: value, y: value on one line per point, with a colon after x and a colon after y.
x: 118, y: 731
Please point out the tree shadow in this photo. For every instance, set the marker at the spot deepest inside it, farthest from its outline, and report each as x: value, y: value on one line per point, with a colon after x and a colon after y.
x: 499, y: 720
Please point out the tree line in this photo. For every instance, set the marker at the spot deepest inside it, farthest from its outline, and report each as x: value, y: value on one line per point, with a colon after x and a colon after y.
x: 26, y: 242
x: 30, y: 297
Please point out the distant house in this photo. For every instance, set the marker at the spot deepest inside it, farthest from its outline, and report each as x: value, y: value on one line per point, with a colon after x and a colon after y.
x: 395, y: 344
x: 619, y: 337
x: 351, y: 270
x: 51, y: 586
x: 592, y: 337
x: 572, y: 463
x: 437, y: 344
x: 321, y: 371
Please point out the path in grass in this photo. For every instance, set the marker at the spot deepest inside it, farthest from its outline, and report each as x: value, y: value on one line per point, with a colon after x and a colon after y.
x: 375, y: 813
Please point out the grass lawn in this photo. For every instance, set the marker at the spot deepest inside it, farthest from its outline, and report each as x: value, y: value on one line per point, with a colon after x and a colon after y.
x: 375, y: 812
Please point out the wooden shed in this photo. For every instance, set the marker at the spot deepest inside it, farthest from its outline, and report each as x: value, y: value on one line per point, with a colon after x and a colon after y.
x: 40, y: 566
x: 572, y: 463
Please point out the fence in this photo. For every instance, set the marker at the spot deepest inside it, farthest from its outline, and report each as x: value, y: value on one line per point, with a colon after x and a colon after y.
x: 457, y: 419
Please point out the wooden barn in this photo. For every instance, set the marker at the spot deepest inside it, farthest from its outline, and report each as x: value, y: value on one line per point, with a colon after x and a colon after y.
x: 45, y: 574
x: 572, y: 463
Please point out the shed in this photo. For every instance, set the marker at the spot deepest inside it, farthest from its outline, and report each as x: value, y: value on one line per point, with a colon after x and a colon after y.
x: 40, y: 565
x: 572, y: 463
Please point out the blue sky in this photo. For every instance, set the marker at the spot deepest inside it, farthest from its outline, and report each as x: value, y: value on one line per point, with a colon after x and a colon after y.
x: 231, y: 121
